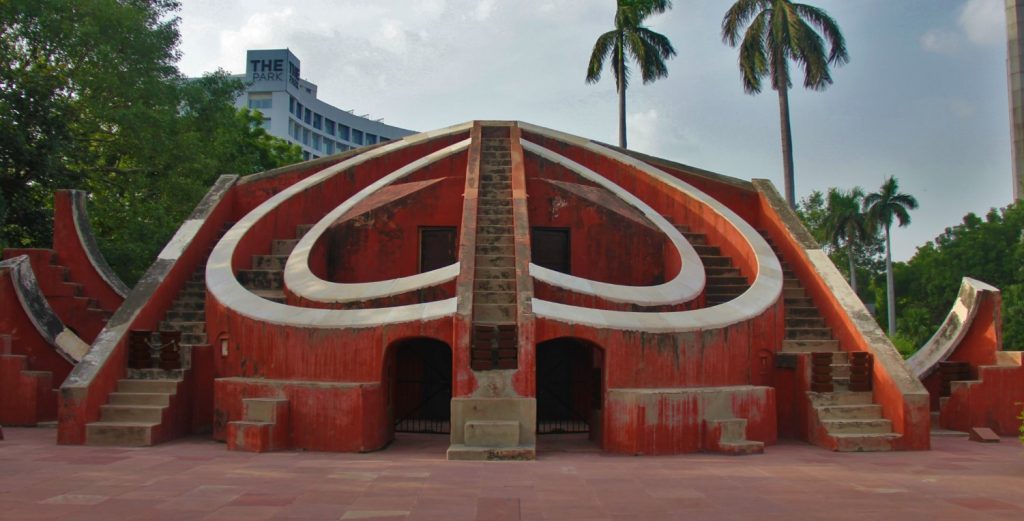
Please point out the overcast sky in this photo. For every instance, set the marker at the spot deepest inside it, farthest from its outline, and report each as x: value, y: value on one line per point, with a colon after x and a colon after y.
x: 923, y: 97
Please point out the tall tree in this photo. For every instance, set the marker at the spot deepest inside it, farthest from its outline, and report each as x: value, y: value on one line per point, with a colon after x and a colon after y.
x: 882, y: 208
x: 630, y: 37
x: 847, y: 225
x: 780, y: 31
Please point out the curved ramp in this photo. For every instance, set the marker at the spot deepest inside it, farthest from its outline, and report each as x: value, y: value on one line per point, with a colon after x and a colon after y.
x: 953, y: 330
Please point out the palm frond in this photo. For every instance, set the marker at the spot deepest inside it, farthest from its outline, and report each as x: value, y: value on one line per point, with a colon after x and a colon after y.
x: 738, y: 16
x: 829, y: 29
x: 753, y: 54
x: 603, y: 49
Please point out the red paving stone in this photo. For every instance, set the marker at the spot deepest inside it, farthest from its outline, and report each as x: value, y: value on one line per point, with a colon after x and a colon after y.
x: 196, y: 479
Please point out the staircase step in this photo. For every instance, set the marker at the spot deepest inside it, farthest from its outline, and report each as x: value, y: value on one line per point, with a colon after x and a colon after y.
x: 491, y: 297
x: 706, y: 250
x: 192, y: 315
x: 882, y: 442
x: 504, y: 248
x: 854, y: 426
x: 131, y: 413
x: 800, y: 302
x: 495, y: 273
x: 841, y: 398
x: 808, y: 333
x: 495, y: 261
x: 716, y: 260
x: 120, y: 398
x: 809, y: 346
x: 726, y: 280
x: 282, y: 246
x: 494, y: 313
x: 261, y: 279
x: 133, y: 385
x: 120, y: 434
x: 802, y: 312
x: 805, y: 322
x: 302, y: 229
x: 275, y: 295
x: 269, y: 262
x: 494, y: 285
x: 849, y: 412
x: 728, y: 271
x: 183, y: 326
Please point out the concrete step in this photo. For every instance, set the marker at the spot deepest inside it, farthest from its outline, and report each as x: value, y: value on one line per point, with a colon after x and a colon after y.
x: 494, y: 313
x: 188, y: 304
x: 793, y: 293
x: 705, y: 250
x: 854, y: 426
x: 495, y: 261
x: 495, y: 273
x: 496, y: 193
x: 495, y: 210
x: 494, y: 285
x: 275, y: 295
x: 194, y: 339
x: 791, y: 283
x: 728, y: 271
x: 804, y: 322
x: 494, y: 202
x: 131, y: 413
x: 261, y: 279
x: 882, y: 442
x: 849, y: 412
x: 133, y: 385
x: 193, y: 285
x: 494, y: 230
x: 492, y: 297
x: 716, y: 260
x: 503, y: 248
x: 282, y: 246
x: 119, y: 398
x: 808, y: 333
x: 726, y: 280
x: 741, y: 448
x: 495, y: 240
x: 120, y: 434
x: 731, y: 290
x: 809, y: 346
x: 184, y: 327
x: 840, y: 370
x: 192, y: 315
x: 495, y: 220
x: 802, y: 312
x: 269, y: 262
x: 302, y: 229
x: 841, y: 398
x: 801, y: 302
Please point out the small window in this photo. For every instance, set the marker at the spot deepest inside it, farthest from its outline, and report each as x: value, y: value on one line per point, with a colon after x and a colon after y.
x: 261, y: 103
x: 357, y: 136
x: 298, y: 109
x: 343, y: 132
x: 371, y: 139
x: 309, y: 117
x: 305, y: 155
x: 383, y: 139
x: 266, y: 123
x: 328, y: 146
x: 316, y: 141
x: 329, y: 127
x: 318, y: 122
x: 291, y: 105
x: 305, y: 136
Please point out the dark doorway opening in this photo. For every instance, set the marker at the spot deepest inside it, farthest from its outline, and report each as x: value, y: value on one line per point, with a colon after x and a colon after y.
x: 569, y: 386
x: 549, y: 247
x: 437, y: 248
x: 422, y: 386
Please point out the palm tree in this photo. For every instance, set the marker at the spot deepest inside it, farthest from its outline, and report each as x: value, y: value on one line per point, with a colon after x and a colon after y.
x: 779, y: 31
x: 647, y: 48
x: 846, y: 225
x: 881, y: 208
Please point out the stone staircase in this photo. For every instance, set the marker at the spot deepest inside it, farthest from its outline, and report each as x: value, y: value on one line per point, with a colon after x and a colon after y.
x: 141, y: 411
x: 494, y: 286
x: 724, y: 281
x: 850, y: 420
x: 27, y: 397
x: 266, y: 278
x: 68, y: 300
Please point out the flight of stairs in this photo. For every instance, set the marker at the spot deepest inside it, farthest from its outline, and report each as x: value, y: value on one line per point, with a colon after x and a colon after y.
x: 724, y: 281
x: 26, y: 397
x: 266, y: 278
x: 68, y: 300
x: 851, y: 420
x: 494, y: 286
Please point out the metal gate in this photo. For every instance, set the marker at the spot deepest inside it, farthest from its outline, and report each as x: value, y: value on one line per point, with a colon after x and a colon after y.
x: 565, y: 389
x: 423, y: 388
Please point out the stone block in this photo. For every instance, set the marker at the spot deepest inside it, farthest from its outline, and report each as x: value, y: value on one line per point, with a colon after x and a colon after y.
x: 491, y: 433
x: 984, y: 435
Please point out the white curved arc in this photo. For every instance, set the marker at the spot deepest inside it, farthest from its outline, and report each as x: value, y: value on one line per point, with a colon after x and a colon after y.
x: 685, y: 286
x: 301, y: 281
x: 954, y: 328
x: 222, y: 283
x: 762, y: 294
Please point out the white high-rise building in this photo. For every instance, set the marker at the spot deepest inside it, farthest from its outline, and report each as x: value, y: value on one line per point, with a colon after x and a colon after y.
x: 291, y: 110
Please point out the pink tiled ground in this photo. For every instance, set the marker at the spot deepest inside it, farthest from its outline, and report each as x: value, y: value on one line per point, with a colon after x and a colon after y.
x: 197, y: 479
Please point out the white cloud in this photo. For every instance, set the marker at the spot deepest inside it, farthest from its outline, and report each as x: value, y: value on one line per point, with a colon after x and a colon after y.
x: 940, y: 41
x: 484, y: 10
x: 984, y: 21
x: 256, y: 33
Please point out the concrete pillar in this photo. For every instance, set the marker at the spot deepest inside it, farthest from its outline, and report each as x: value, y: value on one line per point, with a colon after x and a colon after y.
x: 1015, y: 79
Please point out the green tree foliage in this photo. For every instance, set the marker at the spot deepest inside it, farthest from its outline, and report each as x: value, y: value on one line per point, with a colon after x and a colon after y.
x: 815, y: 211
x: 777, y: 32
x: 91, y: 98
x: 990, y: 249
x: 630, y: 38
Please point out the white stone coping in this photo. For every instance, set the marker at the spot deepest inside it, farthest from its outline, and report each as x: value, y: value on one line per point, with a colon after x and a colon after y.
x: 301, y: 280
x: 86, y: 238
x: 761, y: 295
x: 224, y: 286
x: 685, y: 286
x: 35, y: 305
x: 947, y: 338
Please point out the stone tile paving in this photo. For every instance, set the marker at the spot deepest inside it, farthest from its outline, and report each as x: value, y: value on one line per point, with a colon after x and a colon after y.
x: 196, y: 479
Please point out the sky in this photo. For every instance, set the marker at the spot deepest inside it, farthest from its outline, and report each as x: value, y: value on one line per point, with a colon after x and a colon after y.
x: 924, y: 97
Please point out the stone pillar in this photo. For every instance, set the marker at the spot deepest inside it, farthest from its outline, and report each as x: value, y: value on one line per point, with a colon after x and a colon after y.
x: 1015, y: 78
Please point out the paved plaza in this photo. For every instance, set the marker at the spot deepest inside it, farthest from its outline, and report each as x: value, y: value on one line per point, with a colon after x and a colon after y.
x: 197, y: 479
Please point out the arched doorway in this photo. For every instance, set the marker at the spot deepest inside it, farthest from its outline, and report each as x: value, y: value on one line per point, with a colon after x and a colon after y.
x: 570, y: 389
x: 421, y: 386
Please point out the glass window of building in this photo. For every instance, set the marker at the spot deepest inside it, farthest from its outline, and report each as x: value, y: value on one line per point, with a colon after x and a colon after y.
x: 305, y: 136
x: 328, y: 127
x: 328, y: 146
x: 371, y: 139
x: 305, y: 155
x: 357, y: 136
x: 309, y: 117
x: 291, y: 104
x: 318, y: 122
x: 266, y: 123
x: 298, y: 109
x: 316, y: 141
x: 343, y: 132
x: 260, y: 102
